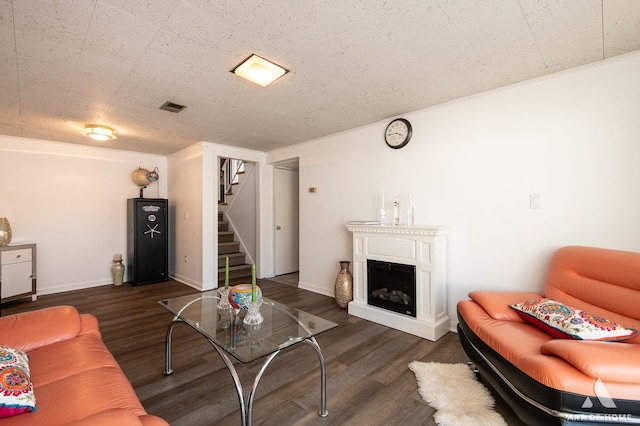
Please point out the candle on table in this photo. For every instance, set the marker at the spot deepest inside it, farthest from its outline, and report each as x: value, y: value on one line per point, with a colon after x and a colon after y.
x: 253, y: 283
x: 226, y: 273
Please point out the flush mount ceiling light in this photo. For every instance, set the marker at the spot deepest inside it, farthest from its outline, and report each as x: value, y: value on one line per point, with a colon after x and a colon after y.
x: 98, y: 132
x: 259, y: 70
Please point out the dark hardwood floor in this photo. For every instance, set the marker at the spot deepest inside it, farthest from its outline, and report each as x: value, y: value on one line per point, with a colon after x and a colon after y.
x: 368, y: 382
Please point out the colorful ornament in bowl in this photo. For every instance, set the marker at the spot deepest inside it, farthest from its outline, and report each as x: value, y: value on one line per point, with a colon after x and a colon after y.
x: 241, y: 294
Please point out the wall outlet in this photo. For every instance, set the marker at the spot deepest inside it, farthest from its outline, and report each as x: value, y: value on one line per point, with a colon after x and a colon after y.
x: 313, y: 190
x: 534, y: 201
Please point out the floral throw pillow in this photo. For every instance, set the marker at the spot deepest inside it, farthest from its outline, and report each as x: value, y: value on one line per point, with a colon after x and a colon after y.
x: 16, y: 392
x: 564, y: 322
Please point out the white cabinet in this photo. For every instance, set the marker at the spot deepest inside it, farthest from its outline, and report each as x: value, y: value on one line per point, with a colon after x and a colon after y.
x: 18, y: 272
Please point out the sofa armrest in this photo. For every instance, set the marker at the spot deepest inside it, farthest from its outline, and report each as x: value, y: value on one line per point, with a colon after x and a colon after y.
x: 89, y: 325
x: 496, y: 303
x: 609, y: 361
x: 31, y: 330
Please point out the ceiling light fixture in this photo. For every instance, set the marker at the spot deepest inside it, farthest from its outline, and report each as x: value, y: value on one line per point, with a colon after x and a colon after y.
x: 259, y: 70
x: 98, y: 132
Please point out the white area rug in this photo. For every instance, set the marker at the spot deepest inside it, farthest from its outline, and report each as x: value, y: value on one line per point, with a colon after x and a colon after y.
x: 452, y: 389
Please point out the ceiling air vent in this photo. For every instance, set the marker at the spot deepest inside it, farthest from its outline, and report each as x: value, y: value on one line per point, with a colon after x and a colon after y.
x: 173, y: 107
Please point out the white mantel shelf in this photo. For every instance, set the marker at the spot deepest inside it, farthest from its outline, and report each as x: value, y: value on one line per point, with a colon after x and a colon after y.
x: 400, y: 229
x: 422, y: 246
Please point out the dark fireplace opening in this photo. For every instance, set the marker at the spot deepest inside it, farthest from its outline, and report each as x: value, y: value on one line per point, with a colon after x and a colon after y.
x: 392, y: 286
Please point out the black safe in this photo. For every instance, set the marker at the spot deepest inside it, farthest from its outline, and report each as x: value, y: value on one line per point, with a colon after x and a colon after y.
x: 147, y: 240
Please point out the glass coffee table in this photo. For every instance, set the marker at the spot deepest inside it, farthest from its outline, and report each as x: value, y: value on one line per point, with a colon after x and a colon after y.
x: 282, y: 327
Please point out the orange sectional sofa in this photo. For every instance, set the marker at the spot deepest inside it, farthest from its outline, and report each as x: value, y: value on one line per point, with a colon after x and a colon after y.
x: 75, y: 379
x: 566, y: 381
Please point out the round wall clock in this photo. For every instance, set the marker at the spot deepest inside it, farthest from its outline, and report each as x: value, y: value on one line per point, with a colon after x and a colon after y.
x: 398, y: 133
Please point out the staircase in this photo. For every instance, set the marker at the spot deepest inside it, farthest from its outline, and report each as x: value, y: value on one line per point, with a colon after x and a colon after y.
x: 239, y: 271
x: 230, y: 171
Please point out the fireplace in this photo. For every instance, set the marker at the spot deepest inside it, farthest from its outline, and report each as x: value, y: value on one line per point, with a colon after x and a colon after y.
x: 417, y: 250
x: 392, y: 286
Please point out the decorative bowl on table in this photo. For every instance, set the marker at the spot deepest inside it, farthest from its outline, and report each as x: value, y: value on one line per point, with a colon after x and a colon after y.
x: 240, y: 294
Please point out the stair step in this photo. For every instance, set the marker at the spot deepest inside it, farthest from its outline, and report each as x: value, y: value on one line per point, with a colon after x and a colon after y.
x: 223, y: 226
x: 240, y: 273
x: 234, y: 259
x: 225, y: 236
x: 230, y: 247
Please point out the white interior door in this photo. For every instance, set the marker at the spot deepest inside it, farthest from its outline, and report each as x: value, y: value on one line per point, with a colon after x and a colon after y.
x: 286, y: 221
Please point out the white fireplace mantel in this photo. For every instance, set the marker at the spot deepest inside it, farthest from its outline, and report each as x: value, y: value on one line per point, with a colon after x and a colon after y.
x: 424, y: 247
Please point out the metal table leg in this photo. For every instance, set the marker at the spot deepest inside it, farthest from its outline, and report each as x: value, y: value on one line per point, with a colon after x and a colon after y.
x: 254, y: 387
x: 167, y: 346
x: 323, y: 377
x: 246, y: 409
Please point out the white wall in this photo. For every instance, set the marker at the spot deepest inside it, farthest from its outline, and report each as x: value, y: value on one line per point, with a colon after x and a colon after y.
x: 472, y: 164
x: 187, y: 216
x: 70, y: 200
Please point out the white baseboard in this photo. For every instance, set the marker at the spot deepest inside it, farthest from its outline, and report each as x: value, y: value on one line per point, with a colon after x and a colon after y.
x: 316, y: 289
x: 186, y: 281
x: 71, y: 287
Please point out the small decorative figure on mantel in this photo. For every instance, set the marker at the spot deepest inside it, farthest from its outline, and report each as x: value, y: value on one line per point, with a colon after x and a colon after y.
x: 396, y: 212
x: 410, y: 212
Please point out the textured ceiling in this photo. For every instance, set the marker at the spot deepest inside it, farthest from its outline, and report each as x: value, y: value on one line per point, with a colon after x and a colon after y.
x: 64, y: 63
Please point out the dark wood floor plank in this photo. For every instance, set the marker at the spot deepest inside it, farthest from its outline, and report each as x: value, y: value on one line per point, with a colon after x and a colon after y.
x: 368, y: 381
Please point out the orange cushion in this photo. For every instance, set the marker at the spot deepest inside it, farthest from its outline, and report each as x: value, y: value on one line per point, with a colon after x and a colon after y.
x: 612, y: 361
x: 67, y: 358
x: 26, y: 331
x: 497, y: 303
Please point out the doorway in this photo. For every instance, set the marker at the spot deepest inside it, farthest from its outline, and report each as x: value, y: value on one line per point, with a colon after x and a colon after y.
x: 286, y: 218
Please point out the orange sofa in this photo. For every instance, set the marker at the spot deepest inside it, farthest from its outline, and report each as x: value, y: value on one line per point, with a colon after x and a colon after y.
x: 566, y: 381
x: 76, y: 381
